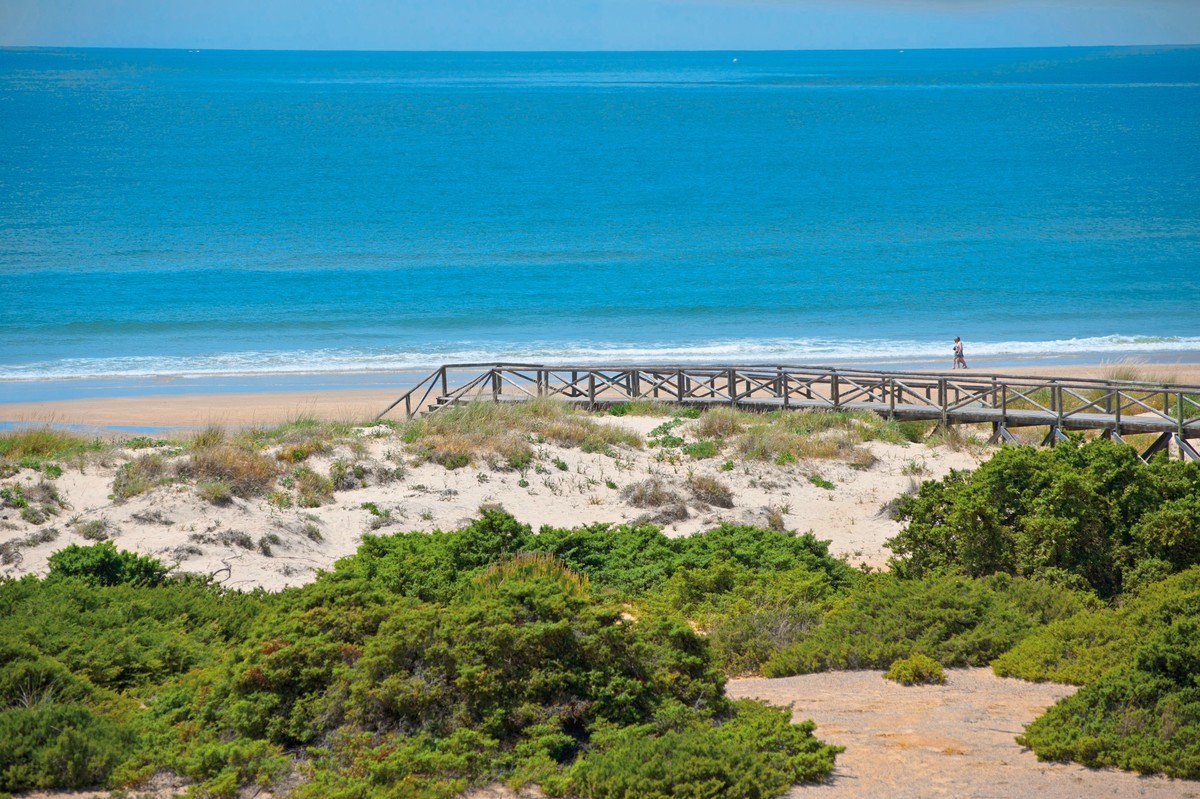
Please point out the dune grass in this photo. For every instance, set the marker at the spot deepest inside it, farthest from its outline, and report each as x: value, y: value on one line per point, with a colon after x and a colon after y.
x: 46, y: 442
x: 142, y: 474
x: 642, y: 407
x: 784, y: 437
x: 298, y: 439
x: 1135, y: 371
x: 503, y: 433
x: 246, y: 473
x: 788, y: 436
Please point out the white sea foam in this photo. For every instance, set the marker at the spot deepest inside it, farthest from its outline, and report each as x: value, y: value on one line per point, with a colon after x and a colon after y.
x: 780, y: 350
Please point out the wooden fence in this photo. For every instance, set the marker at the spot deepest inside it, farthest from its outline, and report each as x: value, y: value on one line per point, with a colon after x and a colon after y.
x: 1114, y: 407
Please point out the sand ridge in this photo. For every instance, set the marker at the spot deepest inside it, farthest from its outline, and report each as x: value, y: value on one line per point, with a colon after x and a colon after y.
x: 251, y: 543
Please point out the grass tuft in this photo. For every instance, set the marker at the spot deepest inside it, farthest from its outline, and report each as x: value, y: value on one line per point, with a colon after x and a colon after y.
x: 710, y: 490
x: 649, y: 493
x: 140, y: 475
x: 246, y: 473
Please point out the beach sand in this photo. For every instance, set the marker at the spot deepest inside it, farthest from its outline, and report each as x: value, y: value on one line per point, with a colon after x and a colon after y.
x: 182, y: 411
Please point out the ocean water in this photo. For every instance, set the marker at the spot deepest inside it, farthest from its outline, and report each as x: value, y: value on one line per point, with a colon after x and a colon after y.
x: 170, y: 213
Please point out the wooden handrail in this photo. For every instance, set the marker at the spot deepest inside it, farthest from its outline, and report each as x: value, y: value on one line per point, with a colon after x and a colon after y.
x: 1117, y: 406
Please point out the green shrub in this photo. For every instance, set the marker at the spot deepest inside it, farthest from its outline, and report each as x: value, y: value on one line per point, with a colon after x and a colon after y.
x: 958, y: 621
x: 1142, y: 717
x: 1082, y: 648
x: 13, y: 496
x: 103, y: 564
x: 702, y: 449
x: 312, y: 489
x: 58, y: 746
x: 438, y: 660
x: 821, y: 482
x: 916, y: 669
x: 701, y: 759
x: 1088, y: 515
x: 747, y: 613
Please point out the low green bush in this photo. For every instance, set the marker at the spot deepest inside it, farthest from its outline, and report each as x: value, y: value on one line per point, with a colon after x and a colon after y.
x: 58, y: 745
x: 916, y: 669
x: 747, y: 613
x: 1143, y: 717
x: 1082, y: 648
x: 103, y: 564
x: 701, y: 759
x: 522, y: 671
x: 958, y: 621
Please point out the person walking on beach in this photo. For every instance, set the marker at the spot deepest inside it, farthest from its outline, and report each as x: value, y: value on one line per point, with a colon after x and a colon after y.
x: 959, y: 361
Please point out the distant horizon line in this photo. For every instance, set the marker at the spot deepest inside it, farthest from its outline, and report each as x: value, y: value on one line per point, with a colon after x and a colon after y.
x: 728, y: 50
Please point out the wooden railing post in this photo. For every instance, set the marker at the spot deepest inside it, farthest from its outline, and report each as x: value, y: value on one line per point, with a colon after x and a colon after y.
x: 833, y: 390
x: 732, y: 388
x: 784, y: 380
x: 591, y: 390
x: 495, y: 384
x: 942, y: 402
x: 679, y: 384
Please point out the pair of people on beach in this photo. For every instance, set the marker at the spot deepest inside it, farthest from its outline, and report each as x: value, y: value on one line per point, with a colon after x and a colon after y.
x: 959, y: 361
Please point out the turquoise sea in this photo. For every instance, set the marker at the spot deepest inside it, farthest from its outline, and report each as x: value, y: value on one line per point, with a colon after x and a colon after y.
x: 223, y: 214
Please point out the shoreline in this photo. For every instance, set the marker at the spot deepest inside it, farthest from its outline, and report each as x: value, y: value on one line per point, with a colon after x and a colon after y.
x: 160, y: 404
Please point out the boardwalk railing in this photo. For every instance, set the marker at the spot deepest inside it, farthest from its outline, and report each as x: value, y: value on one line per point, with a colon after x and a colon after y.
x: 1115, y: 407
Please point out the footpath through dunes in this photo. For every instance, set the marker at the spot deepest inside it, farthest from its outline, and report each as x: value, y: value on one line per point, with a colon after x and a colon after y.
x: 954, y: 740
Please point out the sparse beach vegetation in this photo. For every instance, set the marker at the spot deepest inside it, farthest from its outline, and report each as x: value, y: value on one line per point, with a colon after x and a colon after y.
x: 46, y: 443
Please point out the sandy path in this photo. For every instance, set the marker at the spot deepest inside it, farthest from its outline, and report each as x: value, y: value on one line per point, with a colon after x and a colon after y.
x: 954, y: 740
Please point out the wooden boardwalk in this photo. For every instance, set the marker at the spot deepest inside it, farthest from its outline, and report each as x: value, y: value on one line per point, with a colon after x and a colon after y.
x: 1114, y: 407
